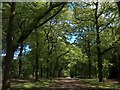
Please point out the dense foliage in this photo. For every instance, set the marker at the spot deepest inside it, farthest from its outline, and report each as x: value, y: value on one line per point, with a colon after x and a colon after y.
x: 50, y: 40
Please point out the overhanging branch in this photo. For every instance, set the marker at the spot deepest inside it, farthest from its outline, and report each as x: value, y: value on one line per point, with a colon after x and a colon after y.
x: 106, y: 50
x: 111, y: 47
x: 35, y: 24
x: 63, y: 54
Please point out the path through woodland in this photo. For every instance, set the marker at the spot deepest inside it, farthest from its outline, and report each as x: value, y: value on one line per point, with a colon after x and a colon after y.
x: 68, y: 84
x: 71, y: 84
x: 64, y: 84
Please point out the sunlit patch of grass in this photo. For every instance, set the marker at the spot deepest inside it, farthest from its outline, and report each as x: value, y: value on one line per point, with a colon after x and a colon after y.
x: 103, y: 85
x: 39, y: 84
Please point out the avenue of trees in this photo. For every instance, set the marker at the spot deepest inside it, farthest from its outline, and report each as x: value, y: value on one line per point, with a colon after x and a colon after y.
x: 51, y: 39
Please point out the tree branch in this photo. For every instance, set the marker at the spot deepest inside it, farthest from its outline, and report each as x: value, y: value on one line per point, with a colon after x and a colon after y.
x: 50, y: 9
x: 106, y: 50
x: 101, y: 12
x: 51, y: 16
x: 113, y: 46
x: 107, y: 24
x: 63, y: 54
x: 35, y: 25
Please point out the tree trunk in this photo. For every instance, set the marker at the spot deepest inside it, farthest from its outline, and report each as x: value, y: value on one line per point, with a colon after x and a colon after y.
x: 99, y: 54
x: 100, y: 66
x: 117, y: 67
x: 36, y: 67
x: 59, y: 72
x: 9, y: 52
x: 89, y: 60
x: 7, y: 69
x: 41, y: 71
x: 99, y: 57
x: 47, y: 69
x: 118, y: 4
x: 37, y: 58
x: 20, y: 60
x: 48, y: 53
x: 33, y: 70
x: 55, y: 69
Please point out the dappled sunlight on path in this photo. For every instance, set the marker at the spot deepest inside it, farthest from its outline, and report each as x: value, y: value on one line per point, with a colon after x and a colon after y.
x: 69, y: 84
x: 63, y: 84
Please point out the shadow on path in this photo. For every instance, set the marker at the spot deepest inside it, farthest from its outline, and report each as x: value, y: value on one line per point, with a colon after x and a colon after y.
x: 67, y: 84
x: 71, y: 84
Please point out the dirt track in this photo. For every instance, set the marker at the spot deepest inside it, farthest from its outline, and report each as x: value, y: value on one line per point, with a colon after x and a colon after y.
x: 67, y: 84
x: 70, y: 84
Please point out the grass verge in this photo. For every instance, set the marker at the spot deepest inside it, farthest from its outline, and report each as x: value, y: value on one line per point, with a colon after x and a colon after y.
x: 107, y: 84
x: 30, y: 85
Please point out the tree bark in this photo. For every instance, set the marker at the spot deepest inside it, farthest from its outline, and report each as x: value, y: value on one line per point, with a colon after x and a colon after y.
x: 49, y: 52
x: 56, y: 62
x: 99, y: 54
x: 9, y: 52
x: 33, y: 72
x: 48, y: 58
x: 41, y: 71
x: 37, y: 58
x: 118, y: 4
x: 10, y: 47
x: 35, y: 25
x: 20, y: 60
x: 36, y: 68
x: 117, y: 67
x: 89, y: 59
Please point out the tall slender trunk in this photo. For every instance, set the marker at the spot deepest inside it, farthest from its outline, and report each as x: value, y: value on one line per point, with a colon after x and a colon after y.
x: 9, y: 52
x: 59, y: 72
x: 20, y: 60
x: 47, y: 68
x: 41, y: 71
x: 55, y: 69
x: 99, y: 54
x: 117, y: 67
x: 33, y: 72
x: 37, y: 68
x: 48, y: 53
x: 100, y: 66
x: 89, y: 59
x: 116, y: 56
x: 37, y: 58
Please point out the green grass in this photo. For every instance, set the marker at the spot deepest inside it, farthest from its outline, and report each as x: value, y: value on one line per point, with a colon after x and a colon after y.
x: 29, y: 85
x: 107, y: 84
x: 42, y: 84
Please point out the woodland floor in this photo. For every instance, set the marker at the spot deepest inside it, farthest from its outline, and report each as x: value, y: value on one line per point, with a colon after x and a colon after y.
x: 66, y: 84
x: 69, y: 84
